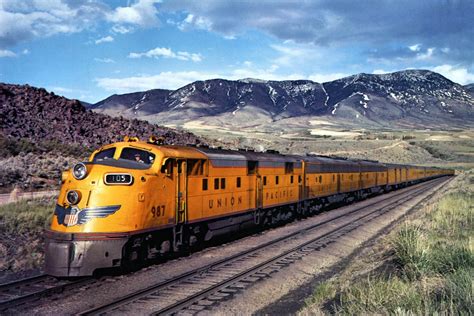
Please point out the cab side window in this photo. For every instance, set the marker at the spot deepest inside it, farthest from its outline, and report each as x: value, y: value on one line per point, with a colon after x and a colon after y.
x: 167, y: 168
x: 195, y: 167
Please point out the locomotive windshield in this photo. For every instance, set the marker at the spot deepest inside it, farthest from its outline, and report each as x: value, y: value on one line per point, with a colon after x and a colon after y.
x: 132, y: 158
x: 137, y: 155
x: 104, y: 154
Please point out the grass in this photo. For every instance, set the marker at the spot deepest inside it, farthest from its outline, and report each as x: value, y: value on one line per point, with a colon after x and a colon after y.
x: 21, y: 234
x: 26, y: 217
x: 430, y: 266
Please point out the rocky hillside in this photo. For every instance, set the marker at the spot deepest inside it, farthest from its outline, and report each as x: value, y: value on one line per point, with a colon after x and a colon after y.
x: 42, y: 134
x: 470, y: 88
x: 37, y: 115
x: 412, y: 98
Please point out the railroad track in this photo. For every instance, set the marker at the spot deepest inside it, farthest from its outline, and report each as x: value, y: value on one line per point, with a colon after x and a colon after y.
x: 31, y: 289
x: 201, y: 288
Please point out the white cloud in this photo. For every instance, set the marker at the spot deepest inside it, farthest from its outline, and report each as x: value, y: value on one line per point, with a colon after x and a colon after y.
x: 104, y: 60
x: 455, y: 73
x: 106, y: 39
x: 426, y: 55
x: 264, y: 74
x: 20, y: 21
x: 163, y: 80
x: 321, y: 78
x: 415, y: 48
x: 7, y: 53
x: 167, y: 53
x: 121, y: 29
x: 195, y: 21
x: 142, y: 13
x: 380, y: 72
x: 292, y: 53
x: 26, y: 51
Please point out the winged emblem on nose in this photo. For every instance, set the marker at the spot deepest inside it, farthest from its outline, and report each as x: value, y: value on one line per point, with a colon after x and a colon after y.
x: 72, y: 215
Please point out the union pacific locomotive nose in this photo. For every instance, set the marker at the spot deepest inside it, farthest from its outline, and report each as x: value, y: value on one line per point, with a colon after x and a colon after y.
x: 69, y: 255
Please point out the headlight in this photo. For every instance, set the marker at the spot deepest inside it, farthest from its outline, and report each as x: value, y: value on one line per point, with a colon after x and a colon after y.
x: 73, y: 197
x: 79, y: 171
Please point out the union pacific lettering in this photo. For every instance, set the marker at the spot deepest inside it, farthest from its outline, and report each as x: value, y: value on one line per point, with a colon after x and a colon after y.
x: 224, y: 202
x: 279, y: 194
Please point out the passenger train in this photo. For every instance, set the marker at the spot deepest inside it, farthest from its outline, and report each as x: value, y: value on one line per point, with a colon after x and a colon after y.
x: 134, y: 201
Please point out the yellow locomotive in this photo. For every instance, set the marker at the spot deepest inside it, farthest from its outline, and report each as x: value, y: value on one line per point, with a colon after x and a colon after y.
x: 134, y: 201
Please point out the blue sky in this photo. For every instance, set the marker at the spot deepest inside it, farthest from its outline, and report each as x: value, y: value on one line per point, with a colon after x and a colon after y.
x: 90, y: 49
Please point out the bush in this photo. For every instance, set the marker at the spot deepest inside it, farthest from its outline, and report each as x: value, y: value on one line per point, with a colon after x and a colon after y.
x: 21, y: 233
x: 411, y: 252
x: 26, y: 217
x: 376, y: 295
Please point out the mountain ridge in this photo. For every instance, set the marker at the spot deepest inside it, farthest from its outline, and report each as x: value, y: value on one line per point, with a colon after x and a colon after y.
x: 414, y: 98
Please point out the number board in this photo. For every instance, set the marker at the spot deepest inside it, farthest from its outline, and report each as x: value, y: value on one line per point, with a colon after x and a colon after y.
x: 118, y: 178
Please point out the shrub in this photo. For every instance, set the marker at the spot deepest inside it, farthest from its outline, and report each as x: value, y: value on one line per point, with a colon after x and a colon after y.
x: 411, y: 251
x: 381, y: 296
x: 26, y: 217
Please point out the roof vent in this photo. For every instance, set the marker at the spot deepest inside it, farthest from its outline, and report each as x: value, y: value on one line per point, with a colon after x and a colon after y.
x: 130, y: 139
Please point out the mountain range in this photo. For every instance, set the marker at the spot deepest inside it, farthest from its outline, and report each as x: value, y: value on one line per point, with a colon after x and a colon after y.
x: 404, y: 99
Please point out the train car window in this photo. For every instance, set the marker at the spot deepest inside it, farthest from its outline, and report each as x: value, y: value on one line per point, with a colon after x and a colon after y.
x: 320, y: 179
x: 276, y: 180
x: 137, y: 155
x: 238, y: 182
x: 299, y: 179
x: 289, y: 167
x: 342, y: 177
x: 264, y: 180
x: 204, y: 184
x: 252, y: 167
x: 216, y: 184
x: 167, y: 167
x: 223, y: 183
x: 195, y: 167
x: 291, y: 179
x: 104, y: 154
